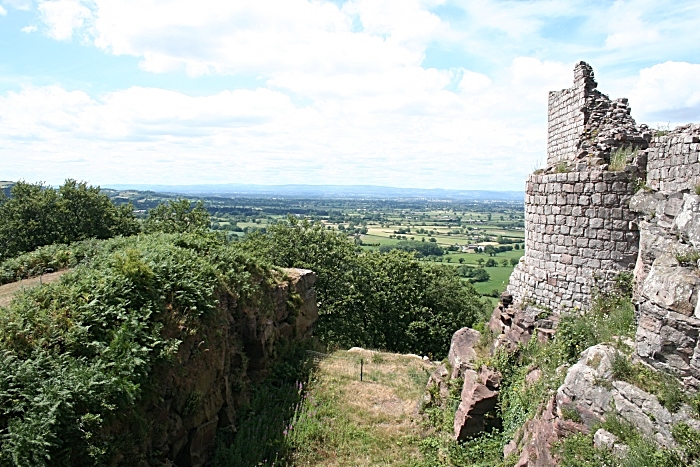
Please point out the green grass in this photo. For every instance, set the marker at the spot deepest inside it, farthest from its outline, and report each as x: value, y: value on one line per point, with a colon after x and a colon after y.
x: 343, y: 421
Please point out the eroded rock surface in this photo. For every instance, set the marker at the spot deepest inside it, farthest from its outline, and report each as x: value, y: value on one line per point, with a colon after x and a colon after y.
x: 206, y: 387
x: 462, y: 352
x: 476, y: 411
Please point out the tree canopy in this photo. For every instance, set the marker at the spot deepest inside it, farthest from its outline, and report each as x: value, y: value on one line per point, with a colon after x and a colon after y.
x: 35, y: 215
x: 378, y: 300
x: 177, y: 216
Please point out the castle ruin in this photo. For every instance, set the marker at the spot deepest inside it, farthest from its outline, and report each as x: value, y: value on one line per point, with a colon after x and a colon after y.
x: 615, y: 196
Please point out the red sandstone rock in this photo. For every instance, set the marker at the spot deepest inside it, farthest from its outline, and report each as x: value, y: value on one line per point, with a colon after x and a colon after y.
x: 479, y: 398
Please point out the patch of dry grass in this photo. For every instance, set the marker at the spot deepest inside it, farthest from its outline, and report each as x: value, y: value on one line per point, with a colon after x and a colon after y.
x: 348, y: 422
x: 8, y: 291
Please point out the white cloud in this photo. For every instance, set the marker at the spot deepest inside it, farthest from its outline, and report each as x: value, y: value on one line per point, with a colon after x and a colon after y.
x: 401, y: 130
x: 28, y: 29
x: 3, y: 11
x: 63, y: 17
x: 344, y: 96
x: 23, y: 5
x: 668, y: 92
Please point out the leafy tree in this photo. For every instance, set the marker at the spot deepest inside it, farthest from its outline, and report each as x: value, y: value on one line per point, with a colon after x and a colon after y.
x: 480, y: 261
x: 514, y: 261
x: 372, y: 299
x: 504, y: 262
x: 35, y: 215
x: 491, y: 263
x: 177, y: 216
x: 422, y: 248
x: 461, y: 260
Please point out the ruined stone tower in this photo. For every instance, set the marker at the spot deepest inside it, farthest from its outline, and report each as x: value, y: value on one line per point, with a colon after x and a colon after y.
x: 577, y: 218
x: 614, y: 197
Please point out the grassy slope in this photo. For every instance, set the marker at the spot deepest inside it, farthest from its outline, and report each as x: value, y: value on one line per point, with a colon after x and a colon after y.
x: 345, y: 422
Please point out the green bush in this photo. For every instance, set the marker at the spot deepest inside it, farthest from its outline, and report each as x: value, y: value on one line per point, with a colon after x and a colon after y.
x: 385, y: 301
x: 35, y: 215
x: 76, y: 355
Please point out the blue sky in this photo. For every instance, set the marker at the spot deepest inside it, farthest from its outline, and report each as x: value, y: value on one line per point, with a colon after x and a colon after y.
x: 409, y: 93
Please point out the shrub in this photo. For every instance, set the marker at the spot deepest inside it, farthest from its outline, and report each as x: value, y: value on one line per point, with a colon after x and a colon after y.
x: 76, y: 356
x: 36, y: 215
x: 376, y: 300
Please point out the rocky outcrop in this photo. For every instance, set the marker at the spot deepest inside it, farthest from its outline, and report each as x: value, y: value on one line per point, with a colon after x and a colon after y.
x: 591, y: 391
x: 514, y: 326
x: 462, y: 352
x: 477, y: 410
x: 668, y: 283
x: 214, y: 366
x: 539, y: 435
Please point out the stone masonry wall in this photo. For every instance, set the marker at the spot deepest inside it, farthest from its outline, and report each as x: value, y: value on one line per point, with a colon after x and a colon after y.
x: 565, y: 120
x: 585, y: 127
x: 576, y: 224
x: 590, y: 221
x: 673, y: 160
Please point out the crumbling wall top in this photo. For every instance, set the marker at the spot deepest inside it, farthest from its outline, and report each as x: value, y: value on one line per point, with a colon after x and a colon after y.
x: 585, y: 127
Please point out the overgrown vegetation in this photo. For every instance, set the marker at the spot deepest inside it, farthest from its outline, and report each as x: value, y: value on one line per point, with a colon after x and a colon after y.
x: 619, y: 158
x: 35, y: 215
x: 562, y: 167
x: 578, y: 450
x: 610, y: 319
x: 387, y: 301
x: 665, y: 387
x: 688, y: 258
x: 76, y: 356
x: 264, y: 421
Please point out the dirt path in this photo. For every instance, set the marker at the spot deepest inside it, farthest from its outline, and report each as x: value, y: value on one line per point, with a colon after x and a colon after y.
x: 7, y: 291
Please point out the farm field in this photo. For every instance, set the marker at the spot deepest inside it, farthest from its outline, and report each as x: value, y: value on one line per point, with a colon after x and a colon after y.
x: 463, y: 230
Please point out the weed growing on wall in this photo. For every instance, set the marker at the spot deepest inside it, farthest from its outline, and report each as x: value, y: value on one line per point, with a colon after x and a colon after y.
x: 619, y: 158
x: 688, y: 258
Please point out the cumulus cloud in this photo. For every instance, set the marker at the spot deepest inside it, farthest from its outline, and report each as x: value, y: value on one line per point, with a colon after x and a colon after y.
x: 63, y: 17
x: 416, y: 133
x: 3, y: 11
x: 668, y: 92
x: 344, y: 94
x: 28, y: 29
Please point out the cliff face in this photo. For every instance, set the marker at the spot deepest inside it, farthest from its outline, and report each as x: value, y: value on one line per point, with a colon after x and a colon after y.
x: 206, y: 384
x: 666, y: 272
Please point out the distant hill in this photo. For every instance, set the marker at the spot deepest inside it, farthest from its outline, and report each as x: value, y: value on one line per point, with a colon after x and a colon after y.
x: 328, y: 191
